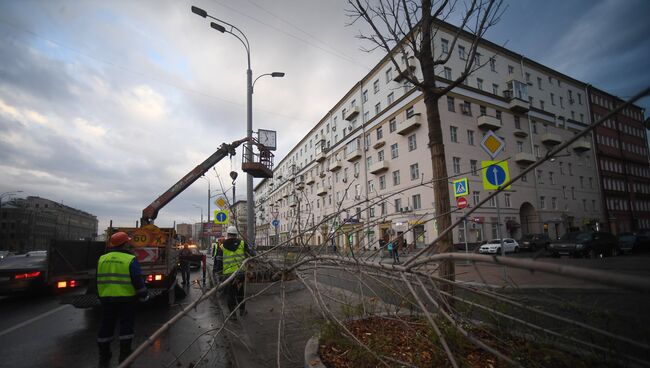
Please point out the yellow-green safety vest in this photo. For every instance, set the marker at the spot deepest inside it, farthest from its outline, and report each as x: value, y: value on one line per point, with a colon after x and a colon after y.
x: 114, y: 276
x: 232, y: 260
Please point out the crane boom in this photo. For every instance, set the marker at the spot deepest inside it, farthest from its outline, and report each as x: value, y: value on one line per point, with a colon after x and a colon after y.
x: 150, y: 213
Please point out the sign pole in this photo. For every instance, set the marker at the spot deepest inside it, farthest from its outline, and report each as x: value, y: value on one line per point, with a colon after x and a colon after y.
x: 503, y: 249
x: 465, y: 236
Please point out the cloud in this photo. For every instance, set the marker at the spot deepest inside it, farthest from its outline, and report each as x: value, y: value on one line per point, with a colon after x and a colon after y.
x: 144, y: 103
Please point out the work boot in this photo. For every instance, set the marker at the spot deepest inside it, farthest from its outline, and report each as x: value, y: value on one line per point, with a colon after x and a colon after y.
x: 125, y: 349
x: 104, y: 354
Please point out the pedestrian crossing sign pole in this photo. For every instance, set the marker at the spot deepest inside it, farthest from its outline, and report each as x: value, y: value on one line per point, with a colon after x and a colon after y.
x: 461, y: 187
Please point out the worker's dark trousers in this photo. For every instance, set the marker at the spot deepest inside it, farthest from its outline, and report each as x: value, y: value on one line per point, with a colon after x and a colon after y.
x: 111, y: 312
x: 235, y: 293
x: 185, y: 272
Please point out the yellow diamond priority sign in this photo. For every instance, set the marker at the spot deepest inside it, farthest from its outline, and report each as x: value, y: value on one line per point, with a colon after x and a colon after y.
x: 492, y: 144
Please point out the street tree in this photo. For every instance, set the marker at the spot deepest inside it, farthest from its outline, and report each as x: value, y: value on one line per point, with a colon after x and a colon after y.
x: 406, y: 29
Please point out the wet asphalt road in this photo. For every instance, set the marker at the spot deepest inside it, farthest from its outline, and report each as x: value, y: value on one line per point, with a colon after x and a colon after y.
x: 37, y: 331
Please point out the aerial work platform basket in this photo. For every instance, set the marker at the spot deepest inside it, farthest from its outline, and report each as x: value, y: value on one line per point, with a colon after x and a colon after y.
x: 258, y: 164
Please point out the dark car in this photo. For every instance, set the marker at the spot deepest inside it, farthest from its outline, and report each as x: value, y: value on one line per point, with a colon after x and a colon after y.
x: 534, y: 242
x: 25, y: 272
x: 590, y: 244
x: 633, y: 242
x: 5, y: 253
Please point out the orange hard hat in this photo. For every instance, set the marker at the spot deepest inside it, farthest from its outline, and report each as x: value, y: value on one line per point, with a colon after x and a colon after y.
x: 119, y: 238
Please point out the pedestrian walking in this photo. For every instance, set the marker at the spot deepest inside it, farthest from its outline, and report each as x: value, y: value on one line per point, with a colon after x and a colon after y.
x: 184, y: 258
x: 390, y: 247
x: 396, y: 245
x: 228, y: 260
x: 119, y: 285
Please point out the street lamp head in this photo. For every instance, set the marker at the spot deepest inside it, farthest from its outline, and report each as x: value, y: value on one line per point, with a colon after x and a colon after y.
x: 218, y: 27
x: 198, y: 11
x: 277, y: 74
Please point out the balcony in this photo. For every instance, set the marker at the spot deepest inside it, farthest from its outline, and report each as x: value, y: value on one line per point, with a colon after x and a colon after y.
x: 379, y: 144
x: 352, y: 113
x: 581, y: 145
x: 515, y: 104
x: 524, y: 158
x: 293, y: 200
x: 310, y: 180
x: 551, y: 139
x: 378, y: 167
x: 335, y: 165
x: 321, y: 192
x: 353, y: 155
x: 320, y: 157
x: 406, y: 71
x: 520, y: 133
x: 408, y: 125
x: 488, y: 122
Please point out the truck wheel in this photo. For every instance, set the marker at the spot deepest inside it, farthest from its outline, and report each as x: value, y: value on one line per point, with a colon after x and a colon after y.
x: 516, y: 249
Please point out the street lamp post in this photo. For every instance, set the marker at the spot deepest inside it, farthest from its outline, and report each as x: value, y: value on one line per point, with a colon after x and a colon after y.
x: 250, y: 219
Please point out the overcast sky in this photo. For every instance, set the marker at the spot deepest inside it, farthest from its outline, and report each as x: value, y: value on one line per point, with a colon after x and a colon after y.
x: 106, y: 104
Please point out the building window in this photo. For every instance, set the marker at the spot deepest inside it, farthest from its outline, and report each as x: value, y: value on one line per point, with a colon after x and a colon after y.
x: 473, y: 165
x: 389, y: 75
x: 476, y: 198
x: 382, y: 208
x: 495, y: 89
x: 573, y: 192
x: 540, y: 177
x: 493, y: 64
x: 412, y: 141
x: 536, y: 150
x: 398, y: 205
x: 541, y: 104
x: 444, y: 46
x: 498, y: 114
x: 410, y: 111
x: 396, y: 177
x: 380, y: 156
x: 466, y: 108
x: 417, y: 202
x: 382, y: 182
x: 392, y: 125
x: 584, y: 204
x: 415, y: 172
x: 456, y: 165
x: 517, y: 122
x: 492, y: 202
x: 451, y: 104
x: 570, y: 168
x: 539, y: 83
x: 551, y: 177
x: 527, y: 75
x: 542, y: 202
x: 507, y: 201
x: 520, y: 146
x: 461, y: 52
x: 470, y: 137
x: 394, y: 153
x: 561, y: 102
x: 482, y: 110
x: 377, y: 108
x: 552, y: 99
x: 554, y: 203
x: 365, y: 96
x: 453, y: 131
x: 479, y: 83
x: 380, y: 133
x: 582, y: 182
x: 534, y: 125
x: 511, y: 69
x: 391, y: 98
x: 447, y: 73
x: 375, y: 86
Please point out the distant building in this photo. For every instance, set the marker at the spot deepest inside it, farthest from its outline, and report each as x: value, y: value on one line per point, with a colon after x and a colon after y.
x: 31, y: 223
x: 184, y: 230
x: 622, y: 155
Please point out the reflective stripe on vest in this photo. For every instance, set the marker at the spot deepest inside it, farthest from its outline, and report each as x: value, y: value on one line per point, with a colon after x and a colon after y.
x: 114, y: 276
x: 232, y: 260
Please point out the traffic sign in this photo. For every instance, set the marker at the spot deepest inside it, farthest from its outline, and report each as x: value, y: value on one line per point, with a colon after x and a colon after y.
x: 221, y: 202
x: 275, y: 214
x: 146, y: 254
x: 461, y: 187
x: 275, y: 223
x: 461, y: 203
x: 492, y: 144
x: 220, y: 217
x: 495, y: 174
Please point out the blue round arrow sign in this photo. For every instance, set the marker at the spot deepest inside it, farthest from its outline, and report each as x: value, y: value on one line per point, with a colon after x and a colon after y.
x: 495, y: 175
x: 221, y: 216
x: 275, y: 223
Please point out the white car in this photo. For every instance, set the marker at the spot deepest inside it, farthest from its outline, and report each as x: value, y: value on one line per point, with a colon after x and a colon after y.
x: 494, y: 246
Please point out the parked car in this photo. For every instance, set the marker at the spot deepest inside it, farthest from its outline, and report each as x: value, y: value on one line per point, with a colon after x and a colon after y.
x: 5, y: 254
x: 590, y: 244
x: 494, y: 246
x: 24, y: 272
x: 534, y: 242
x: 633, y: 242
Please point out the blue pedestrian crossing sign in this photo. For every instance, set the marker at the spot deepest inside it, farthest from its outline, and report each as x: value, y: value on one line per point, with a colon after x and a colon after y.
x: 220, y: 217
x: 495, y: 174
x: 461, y: 188
x: 275, y: 223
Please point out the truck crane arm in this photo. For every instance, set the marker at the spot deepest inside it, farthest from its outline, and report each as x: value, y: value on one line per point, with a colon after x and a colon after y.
x: 150, y: 213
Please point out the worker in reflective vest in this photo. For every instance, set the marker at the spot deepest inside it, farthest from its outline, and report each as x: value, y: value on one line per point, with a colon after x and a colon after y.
x: 228, y: 259
x: 119, y: 284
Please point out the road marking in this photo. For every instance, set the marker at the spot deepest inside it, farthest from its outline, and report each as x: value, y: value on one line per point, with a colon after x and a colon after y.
x: 23, y: 324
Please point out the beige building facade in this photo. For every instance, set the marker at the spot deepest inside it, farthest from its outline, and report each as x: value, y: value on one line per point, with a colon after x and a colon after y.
x: 363, y: 173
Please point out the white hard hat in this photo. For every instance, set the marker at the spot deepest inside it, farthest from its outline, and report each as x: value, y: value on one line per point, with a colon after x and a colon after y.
x: 231, y: 230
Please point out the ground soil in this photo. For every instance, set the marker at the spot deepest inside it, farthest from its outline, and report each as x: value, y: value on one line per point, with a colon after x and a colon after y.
x: 407, y: 341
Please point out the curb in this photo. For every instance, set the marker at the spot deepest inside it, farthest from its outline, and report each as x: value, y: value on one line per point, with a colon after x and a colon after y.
x: 312, y: 358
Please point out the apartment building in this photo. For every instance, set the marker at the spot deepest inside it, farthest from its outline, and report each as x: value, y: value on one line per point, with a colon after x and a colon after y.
x: 622, y: 154
x: 363, y: 172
